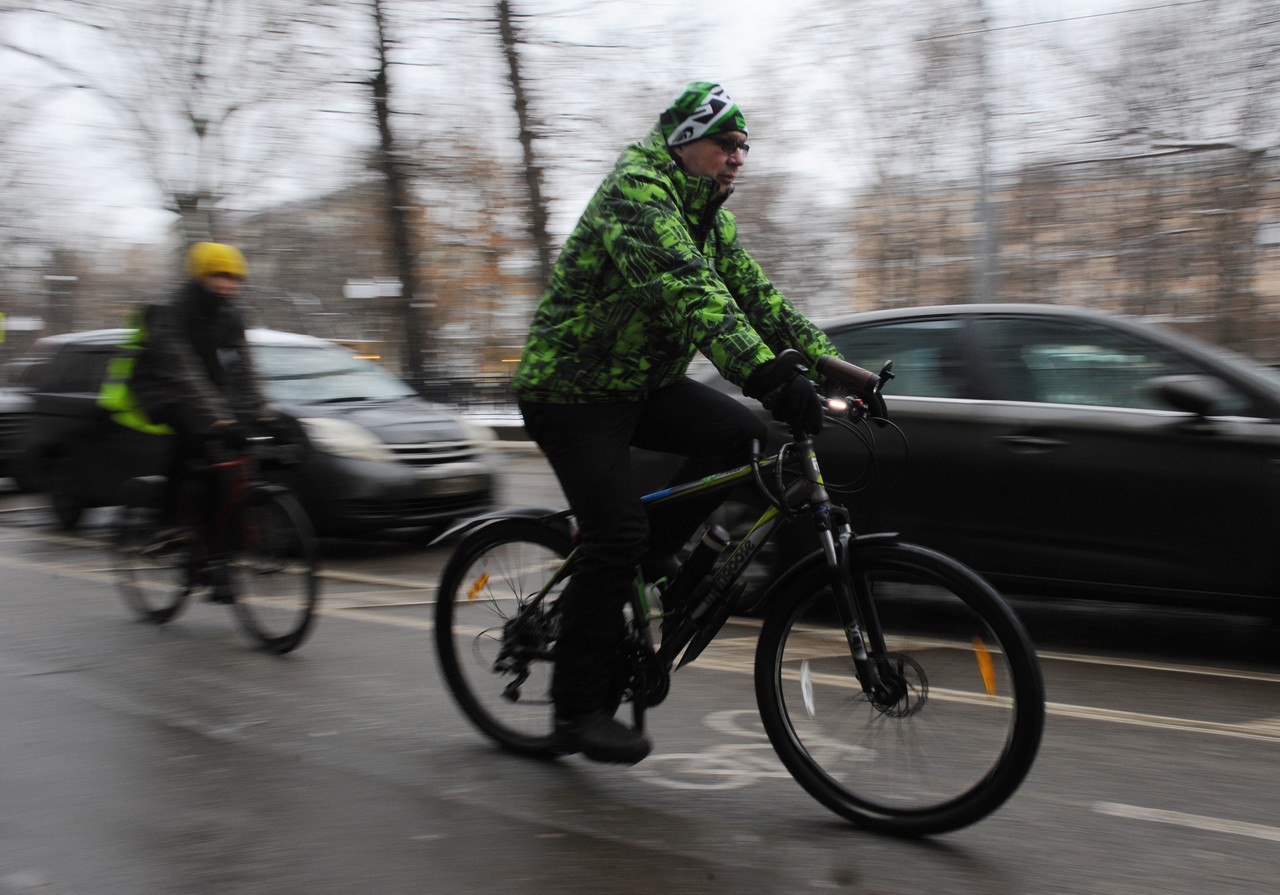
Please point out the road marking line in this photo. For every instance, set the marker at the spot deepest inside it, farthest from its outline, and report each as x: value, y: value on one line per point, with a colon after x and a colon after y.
x: 381, y: 580
x: 1191, y: 821
x: 94, y: 570
x: 1147, y: 665
x: 1244, y: 730
x: 1264, y: 730
x: 719, y: 656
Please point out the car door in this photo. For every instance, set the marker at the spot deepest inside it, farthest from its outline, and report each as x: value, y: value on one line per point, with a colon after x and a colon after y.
x: 925, y: 476
x: 1096, y: 480
x: 96, y: 454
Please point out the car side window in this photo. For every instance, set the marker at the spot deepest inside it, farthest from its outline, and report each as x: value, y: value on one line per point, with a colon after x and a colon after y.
x: 1056, y: 362
x: 927, y: 355
x: 77, y: 371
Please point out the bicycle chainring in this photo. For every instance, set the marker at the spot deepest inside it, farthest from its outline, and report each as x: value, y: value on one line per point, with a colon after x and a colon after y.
x: 644, y: 679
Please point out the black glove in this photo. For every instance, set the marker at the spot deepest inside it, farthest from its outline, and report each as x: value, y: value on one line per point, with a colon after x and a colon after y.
x: 781, y: 386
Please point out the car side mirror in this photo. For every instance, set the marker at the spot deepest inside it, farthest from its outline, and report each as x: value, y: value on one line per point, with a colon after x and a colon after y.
x: 1190, y: 393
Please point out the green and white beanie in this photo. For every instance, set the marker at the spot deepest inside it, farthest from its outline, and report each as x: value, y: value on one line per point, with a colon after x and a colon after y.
x: 703, y: 109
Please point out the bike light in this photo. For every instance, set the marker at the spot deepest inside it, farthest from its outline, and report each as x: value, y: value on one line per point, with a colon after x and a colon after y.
x: 344, y: 439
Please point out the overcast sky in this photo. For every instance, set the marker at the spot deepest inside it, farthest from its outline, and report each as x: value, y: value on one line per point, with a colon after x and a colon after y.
x: 80, y: 157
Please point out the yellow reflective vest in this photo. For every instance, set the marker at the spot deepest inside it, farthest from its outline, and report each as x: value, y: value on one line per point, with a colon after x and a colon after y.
x: 114, y: 395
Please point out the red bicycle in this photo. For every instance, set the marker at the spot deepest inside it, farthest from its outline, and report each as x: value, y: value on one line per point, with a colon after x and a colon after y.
x: 259, y: 554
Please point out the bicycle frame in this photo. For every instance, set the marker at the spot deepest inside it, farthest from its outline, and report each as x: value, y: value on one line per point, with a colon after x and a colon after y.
x: 231, y: 499
x: 839, y: 695
x: 699, y: 626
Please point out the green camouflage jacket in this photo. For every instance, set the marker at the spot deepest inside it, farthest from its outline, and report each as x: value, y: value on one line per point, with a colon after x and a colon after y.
x: 651, y: 275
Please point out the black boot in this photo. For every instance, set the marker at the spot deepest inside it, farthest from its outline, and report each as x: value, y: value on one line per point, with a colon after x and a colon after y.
x: 599, y: 737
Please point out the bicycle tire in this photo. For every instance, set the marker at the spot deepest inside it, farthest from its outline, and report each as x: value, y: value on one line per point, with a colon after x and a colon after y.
x: 154, y: 580
x: 274, y: 556
x: 948, y: 753
x: 487, y: 636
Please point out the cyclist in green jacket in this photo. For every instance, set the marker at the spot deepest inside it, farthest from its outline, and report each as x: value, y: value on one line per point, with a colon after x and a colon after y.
x: 652, y: 274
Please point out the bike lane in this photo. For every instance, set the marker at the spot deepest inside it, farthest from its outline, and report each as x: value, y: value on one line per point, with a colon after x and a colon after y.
x: 181, y: 760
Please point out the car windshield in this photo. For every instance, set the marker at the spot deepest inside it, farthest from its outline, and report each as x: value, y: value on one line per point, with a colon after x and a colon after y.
x: 313, y: 374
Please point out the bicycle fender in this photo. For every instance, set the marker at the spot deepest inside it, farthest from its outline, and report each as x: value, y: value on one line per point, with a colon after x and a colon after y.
x: 556, y: 518
x: 816, y: 558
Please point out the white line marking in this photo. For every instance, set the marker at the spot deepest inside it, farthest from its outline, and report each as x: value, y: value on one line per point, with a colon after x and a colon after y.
x: 1191, y: 821
x: 735, y: 655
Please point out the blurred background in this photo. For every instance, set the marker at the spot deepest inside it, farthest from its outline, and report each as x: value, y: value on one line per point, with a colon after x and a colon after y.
x: 401, y: 174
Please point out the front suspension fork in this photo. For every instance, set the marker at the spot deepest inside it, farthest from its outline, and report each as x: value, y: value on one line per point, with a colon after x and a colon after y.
x: 860, y: 621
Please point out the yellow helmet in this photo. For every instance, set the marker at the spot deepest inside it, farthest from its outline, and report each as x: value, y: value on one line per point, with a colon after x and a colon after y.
x: 208, y: 258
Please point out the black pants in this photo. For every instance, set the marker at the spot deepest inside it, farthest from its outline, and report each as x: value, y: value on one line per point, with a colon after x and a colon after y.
x: 193, y: 491
x: 588, y: 446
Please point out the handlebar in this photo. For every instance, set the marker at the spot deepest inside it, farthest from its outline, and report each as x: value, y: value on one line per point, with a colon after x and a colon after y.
x: 862, y: 382
x: 866, y: 385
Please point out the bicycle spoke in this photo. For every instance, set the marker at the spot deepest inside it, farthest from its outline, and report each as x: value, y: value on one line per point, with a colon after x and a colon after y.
x: 272, y: 571
x: 153, y: 573
x: 954, y: 726
x: 494, y: 641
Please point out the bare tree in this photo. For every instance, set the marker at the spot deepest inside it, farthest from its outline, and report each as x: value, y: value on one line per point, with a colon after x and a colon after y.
x: 392, y: 163
x: 205, y: 92
x: 532, y: 170
x: 1192, y: 100
x: 913, y: 103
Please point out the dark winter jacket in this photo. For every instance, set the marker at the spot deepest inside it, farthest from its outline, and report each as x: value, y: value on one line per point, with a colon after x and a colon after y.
x: 196, y: 368
x: 652, y: 274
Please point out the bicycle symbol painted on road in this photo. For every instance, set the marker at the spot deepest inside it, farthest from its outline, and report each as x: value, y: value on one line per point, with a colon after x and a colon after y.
x: 726, y: 765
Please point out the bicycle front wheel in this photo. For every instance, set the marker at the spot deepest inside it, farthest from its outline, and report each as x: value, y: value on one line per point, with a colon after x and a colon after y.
x: 273, y: 560
x: 152, y: 575
x: 494, y: 640
x: 958, y: 730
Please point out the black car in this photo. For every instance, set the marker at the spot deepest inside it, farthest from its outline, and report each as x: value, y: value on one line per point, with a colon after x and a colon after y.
x: 1058, y: 449
x: 15, y: 406
x: 373, y: 454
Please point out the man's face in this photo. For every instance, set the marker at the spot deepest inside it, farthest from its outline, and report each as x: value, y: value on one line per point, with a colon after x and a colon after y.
x: 719, y: 157
x: 223, y: 284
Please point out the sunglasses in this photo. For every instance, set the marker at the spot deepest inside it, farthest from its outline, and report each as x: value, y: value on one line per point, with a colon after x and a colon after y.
x: 729, y: 145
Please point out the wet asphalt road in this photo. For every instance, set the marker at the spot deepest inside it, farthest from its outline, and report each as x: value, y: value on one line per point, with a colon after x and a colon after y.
x: 136, y: 759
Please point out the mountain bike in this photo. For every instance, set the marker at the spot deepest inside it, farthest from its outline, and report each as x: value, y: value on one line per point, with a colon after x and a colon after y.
x: 894, y: 683
x: 257, y: 552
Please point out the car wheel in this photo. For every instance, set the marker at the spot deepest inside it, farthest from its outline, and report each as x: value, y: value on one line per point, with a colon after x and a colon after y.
x: 61, y: 485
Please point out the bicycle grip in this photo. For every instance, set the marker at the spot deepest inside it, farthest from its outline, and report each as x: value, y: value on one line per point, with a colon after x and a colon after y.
x: 862, y: 382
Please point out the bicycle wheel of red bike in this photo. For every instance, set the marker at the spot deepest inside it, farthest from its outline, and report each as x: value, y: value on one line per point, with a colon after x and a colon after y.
x: 273, y: 564
x: 152, y: 574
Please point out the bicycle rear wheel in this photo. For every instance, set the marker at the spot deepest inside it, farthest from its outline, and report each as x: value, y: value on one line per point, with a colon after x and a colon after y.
x: 273, y: 561
x: 495, y: 643
x: 956, y: 740
x: 152, y: 575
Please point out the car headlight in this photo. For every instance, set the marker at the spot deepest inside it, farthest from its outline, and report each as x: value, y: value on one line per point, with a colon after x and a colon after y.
x: 483, y: 437
x: 344, y: 439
